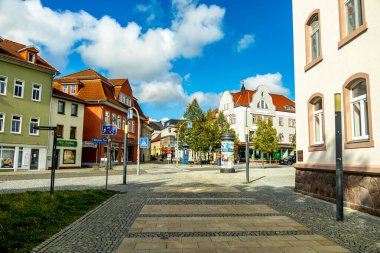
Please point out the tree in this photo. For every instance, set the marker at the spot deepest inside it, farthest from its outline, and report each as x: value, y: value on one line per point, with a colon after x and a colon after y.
x: 266, y: 138
x: 293, y: 145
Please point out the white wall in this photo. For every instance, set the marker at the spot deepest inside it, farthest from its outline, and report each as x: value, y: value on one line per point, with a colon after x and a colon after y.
x: 328, y: 77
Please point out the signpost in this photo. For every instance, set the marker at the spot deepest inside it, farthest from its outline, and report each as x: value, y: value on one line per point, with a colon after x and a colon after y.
x: 55, y: 155
x: 100, y: 140
x: 108, y: 130
x: 144, y: 142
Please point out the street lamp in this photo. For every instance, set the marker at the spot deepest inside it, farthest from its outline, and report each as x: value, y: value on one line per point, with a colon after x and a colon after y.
x: 189, y: 124
x: 130, y: 117
x: 125, y: 152
x: 339, y: 157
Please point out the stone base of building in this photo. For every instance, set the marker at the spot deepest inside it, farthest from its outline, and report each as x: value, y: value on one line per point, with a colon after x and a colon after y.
x: 361, y: 191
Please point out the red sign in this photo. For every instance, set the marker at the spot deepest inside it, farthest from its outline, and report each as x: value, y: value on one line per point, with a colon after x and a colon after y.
x: 169, y: 151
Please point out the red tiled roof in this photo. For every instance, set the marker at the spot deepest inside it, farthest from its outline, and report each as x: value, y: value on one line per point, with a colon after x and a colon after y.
x: 158, y: 138
x: 9, y: 49
x: 243, y: 98
x: 121, y: 85
x: 87, y: 74
x: 58, y: 93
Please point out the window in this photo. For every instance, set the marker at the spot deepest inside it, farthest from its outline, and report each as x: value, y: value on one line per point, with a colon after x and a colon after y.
x: 69, y: 156
x: 280, y: 121
x: 18, y: 89
x: 33, y: 123
x: 73, y: 133
x: 254, y: 119
x: 281, y: 137
x: 72, y: 89
x: 16, y: 124
x: 289, y: 107
x: 31, y: 57
x: 232, y: 118
x: 313, y: 40
x: 61, y: 107
x: 316, y: 123
x: 74, y: 110
x: 291, y: 137
x: 59, y: 131
x: 65, y: 89
x: 2, y: 121
x: 352, y: 20
x: 357, y: 112
x: 291, y: 122
x: 107, y: 117
x: 36, y: 92
x: 118, y: 121
x: 262, y: 105
x: 3, y: 85
x: 113, y: 119
x: 124, y: 122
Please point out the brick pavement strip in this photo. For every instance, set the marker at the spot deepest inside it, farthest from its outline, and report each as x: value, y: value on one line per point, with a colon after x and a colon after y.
x: 105, y: 229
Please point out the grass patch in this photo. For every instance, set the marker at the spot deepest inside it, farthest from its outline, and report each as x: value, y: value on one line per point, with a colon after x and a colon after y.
x: 251, y: 182
x: 29, y: 218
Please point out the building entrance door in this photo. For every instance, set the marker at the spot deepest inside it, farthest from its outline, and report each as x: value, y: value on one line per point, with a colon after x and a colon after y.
x: 34, y: 155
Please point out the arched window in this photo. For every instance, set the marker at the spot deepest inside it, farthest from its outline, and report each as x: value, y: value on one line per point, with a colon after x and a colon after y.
x: 262, y: 105
x: 316, y: 123
x: 352, y: 20
x: 357, y: 112
x: 313, y: 40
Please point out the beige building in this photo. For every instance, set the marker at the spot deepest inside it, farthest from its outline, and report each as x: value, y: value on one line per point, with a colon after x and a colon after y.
x: 67, y: 114
x: 336, y: 50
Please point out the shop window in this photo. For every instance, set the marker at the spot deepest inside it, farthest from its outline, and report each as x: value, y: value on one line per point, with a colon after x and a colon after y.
x: 69, y: 156
x: 7, y: 155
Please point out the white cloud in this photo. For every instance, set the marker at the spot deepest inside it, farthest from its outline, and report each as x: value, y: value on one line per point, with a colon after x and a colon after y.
x: 164, y: 119
x: 272, y: 81
x: 245, y: 42
x: 187, y: 77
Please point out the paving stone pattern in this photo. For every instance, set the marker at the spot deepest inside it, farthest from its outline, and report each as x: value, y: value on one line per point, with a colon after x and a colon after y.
x: 108, y: 227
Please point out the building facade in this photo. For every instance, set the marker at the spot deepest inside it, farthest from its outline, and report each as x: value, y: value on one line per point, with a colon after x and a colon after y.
x: 67, y: 113
x: 336, y: 51
x: 107, y: 103
x: 25, y: 96
x: 246, y: 107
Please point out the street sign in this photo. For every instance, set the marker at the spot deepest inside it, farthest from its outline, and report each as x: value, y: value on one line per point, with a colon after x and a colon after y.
x: 168, y: 145
x: 176, y: 144
x: 99, y: 140
x: 109, y: 130
x: 144, y: 142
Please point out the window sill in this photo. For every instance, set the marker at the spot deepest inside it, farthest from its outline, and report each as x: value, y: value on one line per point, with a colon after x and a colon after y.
x: 359, y: 144
x: 74, y: 115
x: 344, y: 41
x: 313, y: 63
x: 15, y: 133
x: 320, y: 147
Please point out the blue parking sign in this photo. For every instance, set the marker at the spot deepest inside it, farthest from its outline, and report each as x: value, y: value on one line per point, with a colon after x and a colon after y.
x: 109, y: 130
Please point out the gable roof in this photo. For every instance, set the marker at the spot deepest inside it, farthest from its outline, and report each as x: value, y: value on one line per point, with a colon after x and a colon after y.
x: 11, y: 49
x: 60, y: 94
x: 121, y: 85
x: 156, y: 125
x: 244, y: 98
x: 157, y: 138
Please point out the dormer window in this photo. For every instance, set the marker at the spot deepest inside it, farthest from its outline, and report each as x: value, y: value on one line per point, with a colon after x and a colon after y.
x: 289, y: 107
x: 31, y: 57
x: 262, y: 105
x: 65, y: 89
x: 72, y: 89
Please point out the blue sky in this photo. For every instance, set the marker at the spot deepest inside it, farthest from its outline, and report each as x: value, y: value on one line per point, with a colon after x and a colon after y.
x: 171, y: 50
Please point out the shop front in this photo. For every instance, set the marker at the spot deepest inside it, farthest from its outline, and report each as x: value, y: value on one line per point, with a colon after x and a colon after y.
x: 13, y: 158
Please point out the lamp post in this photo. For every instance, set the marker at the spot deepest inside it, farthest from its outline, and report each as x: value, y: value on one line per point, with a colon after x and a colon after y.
x: 54, y: 155
x: 125, y: 152
x: 179, y: 130
x: 338, y: 156
x: 130, y: 116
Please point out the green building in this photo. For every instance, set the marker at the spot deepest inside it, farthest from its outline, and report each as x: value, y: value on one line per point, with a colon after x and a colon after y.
x: 25, y: 98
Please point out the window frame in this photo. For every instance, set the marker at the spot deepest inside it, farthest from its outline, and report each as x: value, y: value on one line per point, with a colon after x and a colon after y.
x: 344, y: 37
x: 76, y: 110
x: 22, y: 88
x: 75, y: 133
x: 350, y: 142
x: 2, y: 125
x: 65, y: 89
x: 73, y: 89
x: 313, y: 145
x: 310, y: 63
x: 118, y: 122
x: 37, y: 132
x: 20, y: 126
x: 33, y: 57
x: 5, y: 82
x: 64, y: 107
x: 107, y: 117
x: 60, y: 129
x: 39, y: 92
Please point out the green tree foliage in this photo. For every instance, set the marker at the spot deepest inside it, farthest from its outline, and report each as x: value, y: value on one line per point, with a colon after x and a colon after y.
x: 293, y: 145
x: 266, y: 138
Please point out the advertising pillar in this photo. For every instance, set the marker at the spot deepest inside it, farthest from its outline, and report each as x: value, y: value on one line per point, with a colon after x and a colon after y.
x: 227, y: 148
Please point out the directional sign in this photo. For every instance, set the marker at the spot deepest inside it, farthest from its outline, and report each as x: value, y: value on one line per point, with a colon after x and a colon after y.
x: 176, y: 144
x: 102, y: 141
x: 109, y: 130
x: 144, y: 142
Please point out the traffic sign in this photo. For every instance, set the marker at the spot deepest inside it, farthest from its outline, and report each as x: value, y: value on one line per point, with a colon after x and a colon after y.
x: 176, y: 144
x: 109, y: 130
x: 168, y: 145
x: 144, y: 142
x: 99, y: 140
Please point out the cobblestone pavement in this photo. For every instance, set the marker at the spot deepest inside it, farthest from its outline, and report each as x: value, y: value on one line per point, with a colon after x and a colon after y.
x: 269, y: 197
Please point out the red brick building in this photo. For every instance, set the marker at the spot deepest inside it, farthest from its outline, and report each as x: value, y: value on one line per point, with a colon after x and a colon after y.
x: 107, y: 102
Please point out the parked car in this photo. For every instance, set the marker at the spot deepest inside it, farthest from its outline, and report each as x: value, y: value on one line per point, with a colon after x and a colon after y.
x: 289, y: 160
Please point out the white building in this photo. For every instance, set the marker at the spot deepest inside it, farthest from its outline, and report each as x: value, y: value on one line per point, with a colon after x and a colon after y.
x: 67, y: 114
x: 336, y: 50
x: 247, y: 106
